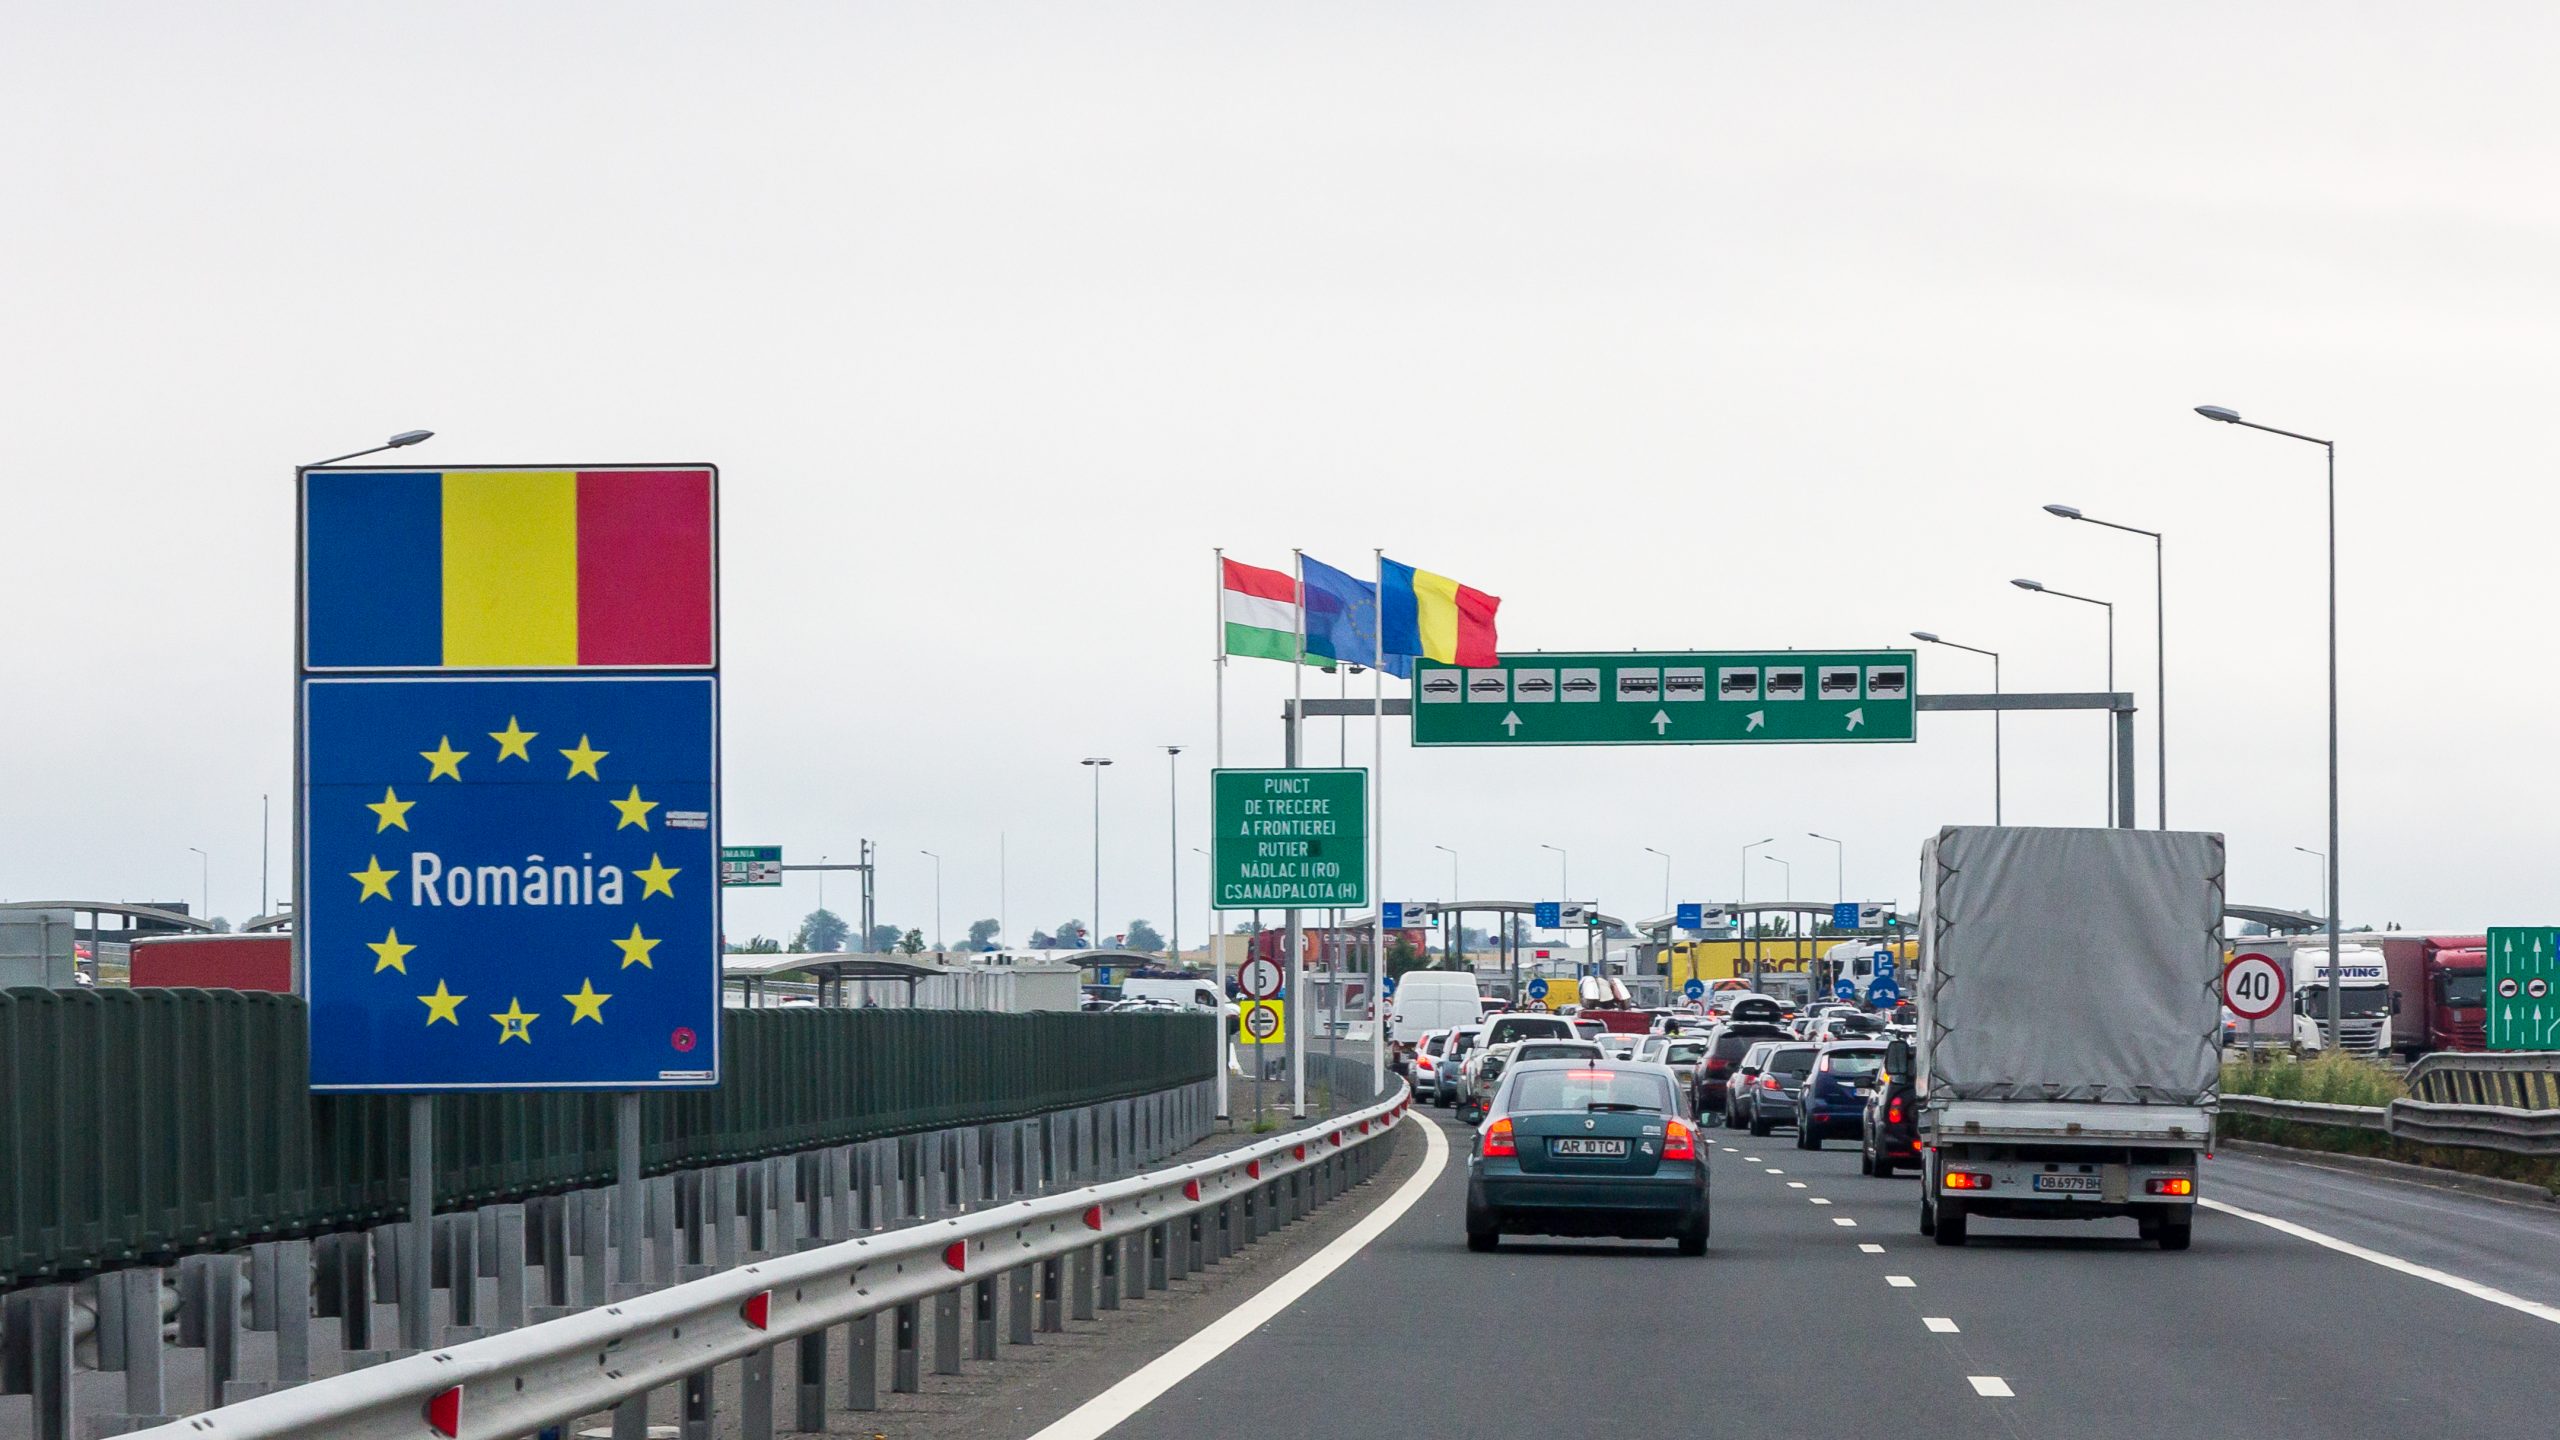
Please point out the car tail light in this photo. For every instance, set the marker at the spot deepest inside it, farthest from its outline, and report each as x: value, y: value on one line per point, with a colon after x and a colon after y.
x: 1497, y: 1139
x: 1679, y: 1142
x: 1718, y: 1062
x: 1893, y: 1111
x: 1967, y: 1180
x: 1770, y: 1082
x: 2171, y: 1185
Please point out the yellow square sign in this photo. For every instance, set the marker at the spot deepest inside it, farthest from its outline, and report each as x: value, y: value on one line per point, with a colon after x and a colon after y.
x: 1261, y: 1022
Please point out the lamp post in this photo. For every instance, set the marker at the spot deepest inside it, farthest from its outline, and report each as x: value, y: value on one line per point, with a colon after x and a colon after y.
x: 2040, y: 588
x: 1932, y: 638
x: 1093, y: 930
x: 2324, y: 875
x: 1453, y: 870
x: 2230, y: 416
x: 1564, y: 873
x: 1790, y: 877
x: 1839, y: 866
x: 204, y: 886
x: 2159, y: 650
x: 937, y: 898
x: 1746, y: 864
x: 401, y: 441
x: 1173, y: 850
x: 1666, y: 876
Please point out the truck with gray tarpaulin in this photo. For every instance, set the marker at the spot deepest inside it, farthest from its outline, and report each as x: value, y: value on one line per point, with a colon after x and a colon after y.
x: 2068, y: 1061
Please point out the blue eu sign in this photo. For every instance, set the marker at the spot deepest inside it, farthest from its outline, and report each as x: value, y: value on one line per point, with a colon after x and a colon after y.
x: 511, y: 883
x: 1550, y: 915
x: 1689, y: 917
x: 1844, y: 916
x: 1391, y: 915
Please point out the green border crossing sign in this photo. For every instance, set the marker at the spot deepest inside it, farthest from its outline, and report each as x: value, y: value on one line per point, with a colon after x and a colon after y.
x: 1289, y: 839
x: 1708, y: 697
x: 2524, y: 987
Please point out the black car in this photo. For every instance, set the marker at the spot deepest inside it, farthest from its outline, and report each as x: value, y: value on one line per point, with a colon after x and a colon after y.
x: 1725, y: 1046
x: 1890, y: 1136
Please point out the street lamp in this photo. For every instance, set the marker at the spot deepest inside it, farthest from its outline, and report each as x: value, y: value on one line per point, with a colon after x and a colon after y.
x: 1564, y: 872
x: 1933, y: 638
x: 2230, y: 416
x: 2324, y: 875
x: 204, y: 886
x: 1173, y: 848
x: 401, y: 441
x: 2159, y: 649
x: 1666, y: 876
x: 937, y: 898
x: 1093, y: 930
x: 1746, y: 864
x: 1791, y: 874
x: 1839, y: 864
x: 1453, y: 870
x: 2041, y: 588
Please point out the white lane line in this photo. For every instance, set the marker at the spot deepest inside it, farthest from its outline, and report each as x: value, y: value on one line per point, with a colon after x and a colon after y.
x: 1899, y: 1282
x: 2472, y: 1288
x: 1818, y: 1200
x: 1872, y: 1249
x: 1104, y: 1412
x: 1939, y: 1324
x: 1992, y: 1386
x: 1774, y: 1170
x: 1729, y: 1150
x: 1795, y: 1184
x: 1750, y: 1159
x: 1842, y: 1220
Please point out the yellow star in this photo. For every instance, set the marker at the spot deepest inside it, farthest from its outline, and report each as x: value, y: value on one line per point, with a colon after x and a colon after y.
x: 635, y: 811
x: 635, y: 951
x: 392, y: 809
x: 582, y: 761
x: 440, y: 1006
x: 390, y: 954
x: 653, y: 881
x: 512, y: 740
x: 376, y: 880
x: 444, y: 762
x: 587, y: 1004
x: 516, y: 1023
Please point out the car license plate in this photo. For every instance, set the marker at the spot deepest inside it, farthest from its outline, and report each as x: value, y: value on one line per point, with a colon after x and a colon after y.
x: 2069, y: 1184
x: 1581, y: 1145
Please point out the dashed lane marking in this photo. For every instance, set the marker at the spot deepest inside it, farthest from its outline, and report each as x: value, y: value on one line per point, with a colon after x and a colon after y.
x: 1842, y: 1220
x: 1991, y: 1386
x: 1872, y: 1249
x: 1939, y: 1324
x: 1818, y: 1200
x: 1899, y: 1282
x: 1795, y: 1184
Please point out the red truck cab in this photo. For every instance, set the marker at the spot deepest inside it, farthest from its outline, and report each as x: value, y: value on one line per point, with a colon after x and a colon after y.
x: 2442, y: 986
x: 214, y: 962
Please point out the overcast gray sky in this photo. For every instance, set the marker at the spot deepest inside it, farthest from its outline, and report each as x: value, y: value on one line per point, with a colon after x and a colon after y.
x: 1684, y: 325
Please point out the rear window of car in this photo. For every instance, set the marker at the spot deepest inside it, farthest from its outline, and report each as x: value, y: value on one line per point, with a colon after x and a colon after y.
x: 1797, y: 1061
x: 1434, y: 1043
x: 1856, y: 1062
x: 1733, y: 1043
x: 1529, y: 1027
x: 1684, y: 1053
x: 1580, y: 1089
x: 1557, y: 1050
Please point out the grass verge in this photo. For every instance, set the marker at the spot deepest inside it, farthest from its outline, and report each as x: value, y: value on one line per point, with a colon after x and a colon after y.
x: 2345, y: 1080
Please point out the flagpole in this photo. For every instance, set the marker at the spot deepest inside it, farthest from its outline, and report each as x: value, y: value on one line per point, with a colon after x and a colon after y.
x: 1378, y: 827
x: 1297, y: 959
x: 1217, y: 956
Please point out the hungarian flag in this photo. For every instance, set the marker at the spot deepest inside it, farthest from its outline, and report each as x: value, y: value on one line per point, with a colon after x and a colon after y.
x: 1260, y: 608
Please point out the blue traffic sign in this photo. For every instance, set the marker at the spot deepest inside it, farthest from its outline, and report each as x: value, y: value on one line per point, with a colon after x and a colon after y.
x: 1845, y: 990
x: 1550, y: 914
x: 1690, y: 916
x: 1885, y: 969
x: 511, y: 883
x: 1391, y: 915
x: 1388, y: 984
x: 1696, y: 989
x: 1884, y: 994
x: 1101, y: 974
x: 1538, y: 987
x: 1844, y: 916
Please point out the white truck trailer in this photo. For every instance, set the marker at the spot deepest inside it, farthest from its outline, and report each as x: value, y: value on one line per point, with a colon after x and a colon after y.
x: 2068, y: 1063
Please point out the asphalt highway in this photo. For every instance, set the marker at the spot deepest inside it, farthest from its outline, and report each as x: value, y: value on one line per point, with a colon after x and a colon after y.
x: 1819, y: 1309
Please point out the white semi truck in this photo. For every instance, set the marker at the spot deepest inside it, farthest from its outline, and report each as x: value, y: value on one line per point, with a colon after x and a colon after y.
x: 2365, y: 1003
x: 2068, y: 1063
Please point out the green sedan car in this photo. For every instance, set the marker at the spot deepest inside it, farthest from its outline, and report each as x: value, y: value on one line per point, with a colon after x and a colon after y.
x: 1572, y: 1147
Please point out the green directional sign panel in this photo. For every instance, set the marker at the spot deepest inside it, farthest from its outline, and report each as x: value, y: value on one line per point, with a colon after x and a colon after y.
x: 1707, y: 697
x: 1289, y: 839
x: 2524, y: 987
x: 759, y: 866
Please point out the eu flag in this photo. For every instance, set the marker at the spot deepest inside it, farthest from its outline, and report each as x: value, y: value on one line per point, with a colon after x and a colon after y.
x: 1342, y: 619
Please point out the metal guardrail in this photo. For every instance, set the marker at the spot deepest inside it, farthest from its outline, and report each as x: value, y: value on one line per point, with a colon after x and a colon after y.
x: 2522, y: 1079
x: 2508, y: 1102
x: 1167, y: 1221
x: 2480, y: 1127
x: 2307, y: 1112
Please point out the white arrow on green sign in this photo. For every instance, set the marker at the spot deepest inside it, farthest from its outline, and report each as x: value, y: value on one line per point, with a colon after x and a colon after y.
x: 1701, y: 697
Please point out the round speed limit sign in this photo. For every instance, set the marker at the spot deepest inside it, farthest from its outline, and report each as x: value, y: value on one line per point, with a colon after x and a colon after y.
x: 2253, y: 986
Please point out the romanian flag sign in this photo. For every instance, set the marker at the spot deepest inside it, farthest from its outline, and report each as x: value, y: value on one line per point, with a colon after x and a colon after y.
x: 510, y: 568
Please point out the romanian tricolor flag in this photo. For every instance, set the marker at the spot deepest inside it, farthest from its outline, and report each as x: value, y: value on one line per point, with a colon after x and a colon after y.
x: 1435, y: 617
x: 508, y: 569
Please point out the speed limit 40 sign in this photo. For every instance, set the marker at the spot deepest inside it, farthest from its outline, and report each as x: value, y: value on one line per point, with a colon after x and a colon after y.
x: 2253, y: 986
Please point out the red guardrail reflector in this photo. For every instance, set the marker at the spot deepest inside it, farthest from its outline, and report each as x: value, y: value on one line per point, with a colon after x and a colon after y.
x: 444, y: 1412
x: 1364, y: 1127
x: 1335, y: 1138
x: 1190, y: 1189
x: 757, y: 1309
x: 1253, y: 1168
x: 956, y: 1255
x: 1297, y: 1152
x: 1093, y: 1217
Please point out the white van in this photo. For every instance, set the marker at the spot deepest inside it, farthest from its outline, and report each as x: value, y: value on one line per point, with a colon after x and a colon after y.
x: 1194, y: 993
x: 1428, y: 1000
